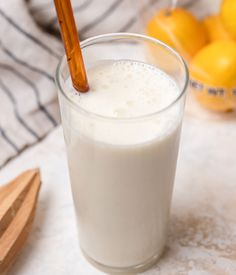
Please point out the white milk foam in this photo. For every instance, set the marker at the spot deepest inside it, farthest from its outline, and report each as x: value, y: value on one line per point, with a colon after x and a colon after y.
x: 126, y: 89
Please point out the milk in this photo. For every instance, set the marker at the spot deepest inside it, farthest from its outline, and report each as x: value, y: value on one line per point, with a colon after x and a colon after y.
x: 122, y: 158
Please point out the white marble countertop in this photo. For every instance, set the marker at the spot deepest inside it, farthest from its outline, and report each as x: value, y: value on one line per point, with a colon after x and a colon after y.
x: 202, y: 238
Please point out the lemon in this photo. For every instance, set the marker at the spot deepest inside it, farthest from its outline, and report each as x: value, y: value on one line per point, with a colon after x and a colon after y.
x: 215, y: 28
x: 179, y: 29
x: 213, y: 75
x: 228, y: 14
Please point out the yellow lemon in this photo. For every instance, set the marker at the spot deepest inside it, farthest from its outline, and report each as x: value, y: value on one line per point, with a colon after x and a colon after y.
x: 179, y: 29
x: 215, y: 28
x: 228, y: 14
x: 213, y: 75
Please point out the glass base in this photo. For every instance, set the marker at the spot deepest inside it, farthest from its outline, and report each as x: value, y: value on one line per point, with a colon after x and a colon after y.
x: 123, y: 270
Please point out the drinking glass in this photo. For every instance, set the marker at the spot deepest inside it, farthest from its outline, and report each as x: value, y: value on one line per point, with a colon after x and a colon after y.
x: 122, y: 169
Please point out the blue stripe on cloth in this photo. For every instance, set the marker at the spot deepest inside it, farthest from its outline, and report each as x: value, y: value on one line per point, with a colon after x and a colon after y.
x: 28, y: 35
x: 101, y: 17
x: 16, y: 112
x: 8, y: 140
x: 34, y: 88
x: 23, y: 63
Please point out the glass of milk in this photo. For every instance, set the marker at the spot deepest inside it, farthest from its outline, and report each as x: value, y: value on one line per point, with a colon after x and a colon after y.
x: 122, y: 140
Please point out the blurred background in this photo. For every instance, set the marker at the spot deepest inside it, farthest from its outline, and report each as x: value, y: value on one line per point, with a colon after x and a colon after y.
x: 31, y: 47
x: 101, y: 16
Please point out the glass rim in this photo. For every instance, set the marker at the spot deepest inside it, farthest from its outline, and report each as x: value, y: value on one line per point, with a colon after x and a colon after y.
x: 103, y: 37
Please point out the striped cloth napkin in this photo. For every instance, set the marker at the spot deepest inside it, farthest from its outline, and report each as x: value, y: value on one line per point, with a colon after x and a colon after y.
x: 29, y: 53
x: 30, y: 49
